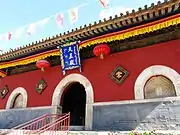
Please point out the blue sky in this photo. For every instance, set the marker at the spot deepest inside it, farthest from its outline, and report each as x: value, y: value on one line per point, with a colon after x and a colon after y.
x: 18, y: 13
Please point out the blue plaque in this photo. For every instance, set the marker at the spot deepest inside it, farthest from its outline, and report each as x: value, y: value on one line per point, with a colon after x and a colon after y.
x: 70, y: 57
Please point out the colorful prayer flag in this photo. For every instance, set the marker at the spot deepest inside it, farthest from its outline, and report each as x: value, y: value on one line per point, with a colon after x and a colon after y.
x: 9, y: 35
x: 59, y: 19
x: 73, y: 15
x: 105, y: 3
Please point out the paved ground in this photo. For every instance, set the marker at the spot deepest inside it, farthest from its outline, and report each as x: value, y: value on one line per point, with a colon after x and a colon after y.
x: 169, y: 132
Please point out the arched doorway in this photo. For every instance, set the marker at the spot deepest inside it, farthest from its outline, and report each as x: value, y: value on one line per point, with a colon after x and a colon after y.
x: 74, y: 101
x: 18, y: 102
x: 158, y: 87
x: 61, y: 87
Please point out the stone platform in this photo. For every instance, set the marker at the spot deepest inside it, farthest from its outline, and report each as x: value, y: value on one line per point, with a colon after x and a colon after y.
x: 161, y: 114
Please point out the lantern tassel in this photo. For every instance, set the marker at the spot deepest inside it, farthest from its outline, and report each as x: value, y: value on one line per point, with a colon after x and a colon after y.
x: 101, y: 56
x: 42, y: 69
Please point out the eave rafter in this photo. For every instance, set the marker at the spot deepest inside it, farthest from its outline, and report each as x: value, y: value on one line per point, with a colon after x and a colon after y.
x: 118, y: 21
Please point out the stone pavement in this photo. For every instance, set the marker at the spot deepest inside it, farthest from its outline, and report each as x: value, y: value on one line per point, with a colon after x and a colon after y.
x: 168, y: 132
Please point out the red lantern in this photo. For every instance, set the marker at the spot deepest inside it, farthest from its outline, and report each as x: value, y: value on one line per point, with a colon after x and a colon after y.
x: 42, y: 64
x: 101, y: 50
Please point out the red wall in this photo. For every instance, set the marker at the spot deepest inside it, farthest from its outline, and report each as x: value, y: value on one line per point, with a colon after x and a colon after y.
x: 98, y: 71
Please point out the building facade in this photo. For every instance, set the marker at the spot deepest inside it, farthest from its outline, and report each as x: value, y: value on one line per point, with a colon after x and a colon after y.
x: 135, y: 86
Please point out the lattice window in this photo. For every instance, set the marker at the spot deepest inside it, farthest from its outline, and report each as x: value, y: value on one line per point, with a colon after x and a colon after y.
x: 158, y: 87
x: 18, y: 102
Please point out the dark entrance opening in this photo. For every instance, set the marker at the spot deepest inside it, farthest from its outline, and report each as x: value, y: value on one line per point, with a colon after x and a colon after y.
x: 74, y: 101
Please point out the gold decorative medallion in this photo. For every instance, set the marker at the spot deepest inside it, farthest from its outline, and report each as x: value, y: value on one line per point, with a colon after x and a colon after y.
x: 119, y: 74
x: 41, y: 86
x: 3, y: 92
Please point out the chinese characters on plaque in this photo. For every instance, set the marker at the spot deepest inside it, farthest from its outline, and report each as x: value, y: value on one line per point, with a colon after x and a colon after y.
x: 119, y: 74
x: 70, y: 57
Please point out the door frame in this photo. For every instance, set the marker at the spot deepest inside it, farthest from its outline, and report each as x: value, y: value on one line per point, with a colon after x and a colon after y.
x: 58, y: 92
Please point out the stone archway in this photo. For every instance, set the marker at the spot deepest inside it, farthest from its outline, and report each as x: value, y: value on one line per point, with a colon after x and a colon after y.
x: 16, y: 92
x: 153, y: 71
x: 74, y: 101
x: 58, y: 92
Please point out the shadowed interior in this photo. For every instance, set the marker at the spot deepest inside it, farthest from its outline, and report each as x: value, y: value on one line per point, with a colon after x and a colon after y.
x: 74, y: 101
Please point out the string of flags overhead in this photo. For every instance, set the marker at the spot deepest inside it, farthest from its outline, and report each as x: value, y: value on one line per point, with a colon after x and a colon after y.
x: 59, y: 20
x: 105, y: 3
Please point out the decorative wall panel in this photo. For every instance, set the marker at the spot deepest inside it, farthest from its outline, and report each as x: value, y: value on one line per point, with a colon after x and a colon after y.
x: 119, y: 74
